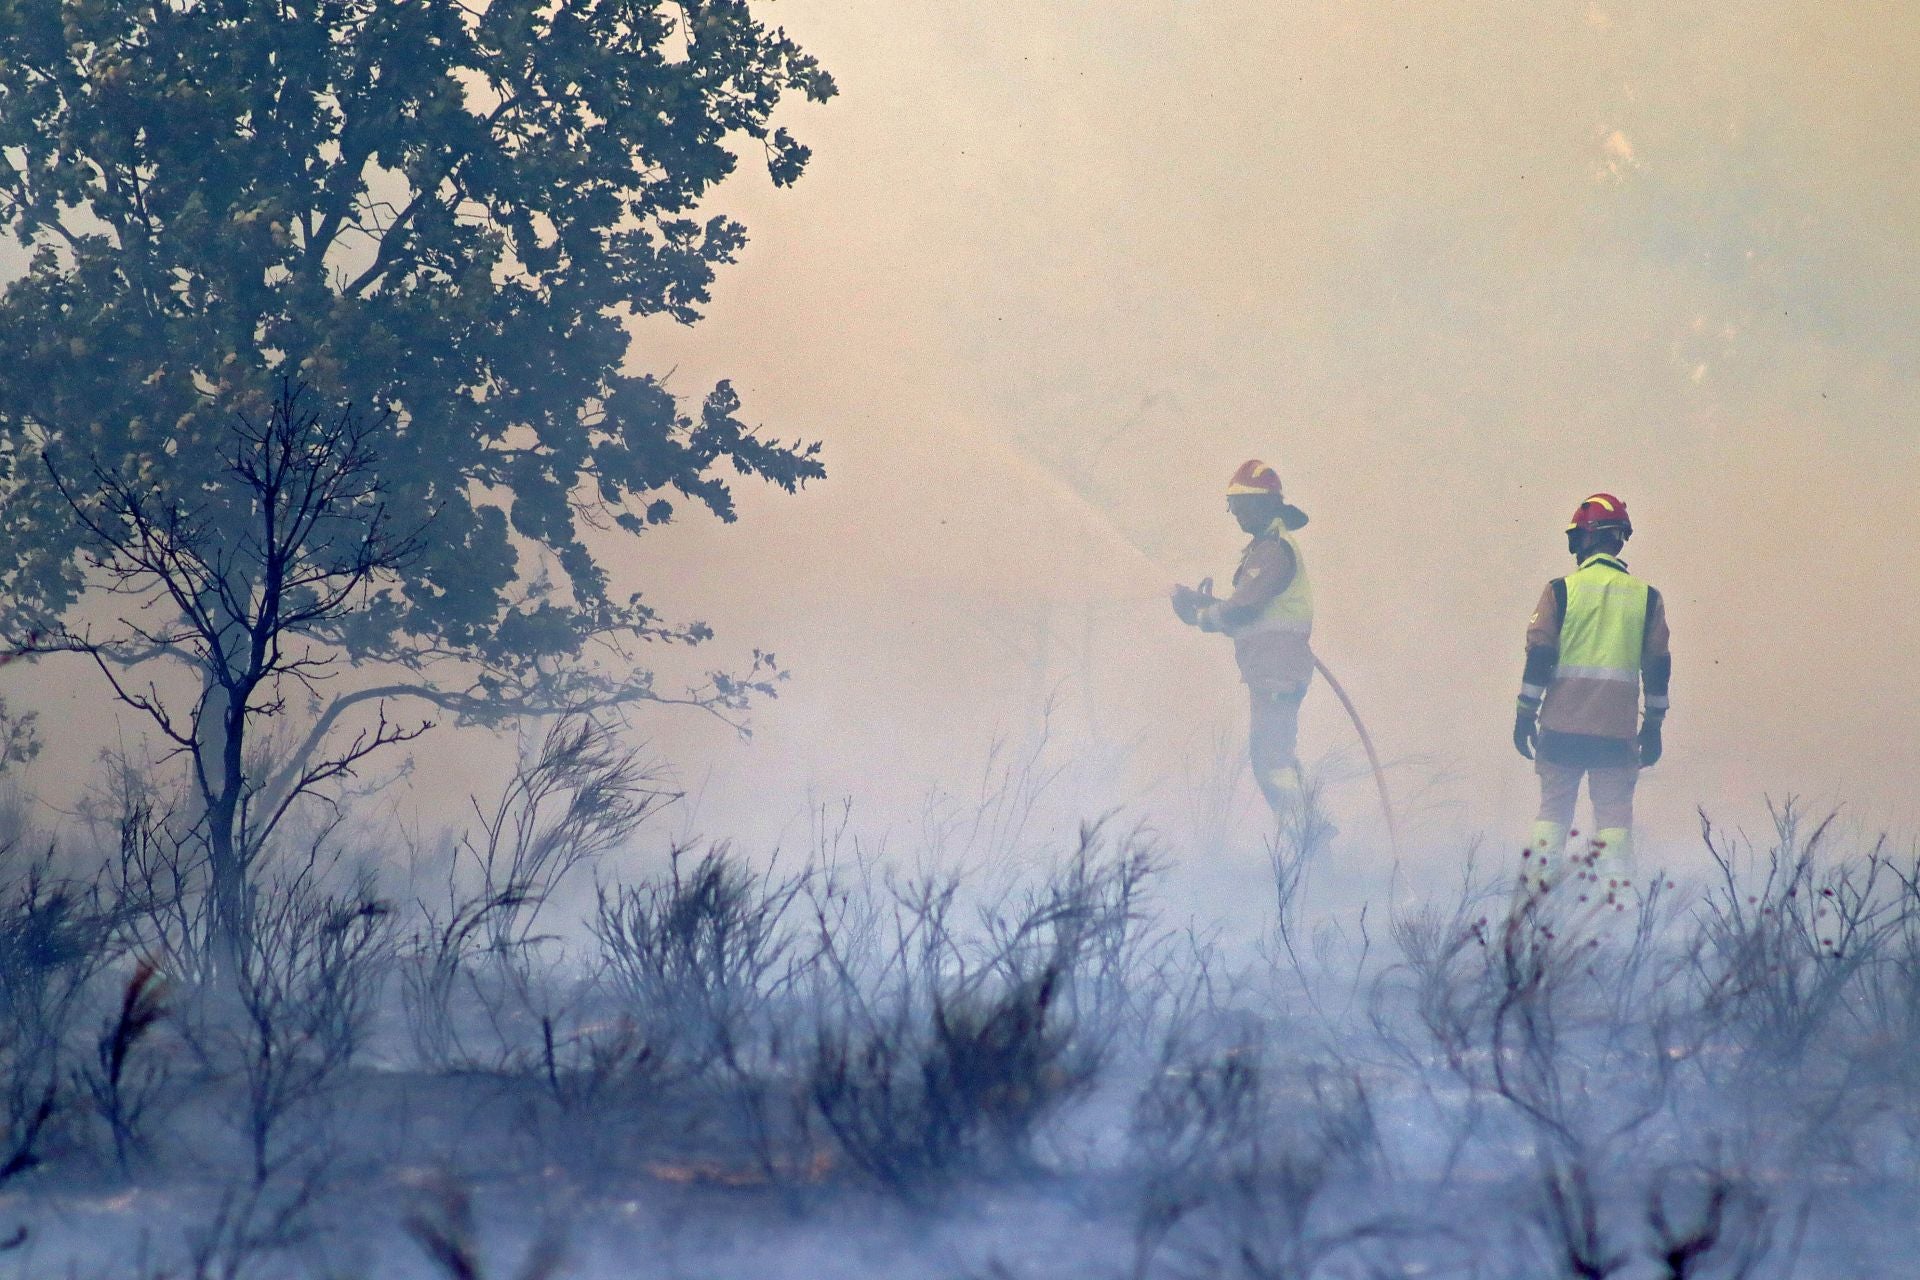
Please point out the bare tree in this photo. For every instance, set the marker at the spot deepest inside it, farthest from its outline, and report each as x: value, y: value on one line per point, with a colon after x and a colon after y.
x: 254, y: 584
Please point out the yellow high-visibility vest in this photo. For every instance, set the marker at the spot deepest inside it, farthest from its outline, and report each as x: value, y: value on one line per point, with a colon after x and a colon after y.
x: 1292, y: 609
x: 1604, y: 630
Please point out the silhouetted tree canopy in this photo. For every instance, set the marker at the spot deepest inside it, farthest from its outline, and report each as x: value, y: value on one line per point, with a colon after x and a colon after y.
x: 443, y: 213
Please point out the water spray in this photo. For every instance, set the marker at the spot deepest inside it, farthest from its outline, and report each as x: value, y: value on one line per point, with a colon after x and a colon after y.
x: 1120, y: 537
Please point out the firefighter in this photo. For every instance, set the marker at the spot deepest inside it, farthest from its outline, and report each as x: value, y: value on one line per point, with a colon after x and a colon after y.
x: 1597, y: 638
x: 1269, y: 617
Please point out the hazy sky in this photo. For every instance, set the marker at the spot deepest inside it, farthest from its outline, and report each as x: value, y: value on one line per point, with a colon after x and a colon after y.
x: 1449, y: 266
x: 1057, y: 269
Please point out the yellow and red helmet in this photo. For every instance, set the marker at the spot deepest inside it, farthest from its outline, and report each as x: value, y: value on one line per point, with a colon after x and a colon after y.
x: 1254, y: 476
x: 1601, y: 511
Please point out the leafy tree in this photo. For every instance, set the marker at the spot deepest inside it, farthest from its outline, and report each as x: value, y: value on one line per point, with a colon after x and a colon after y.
x: 447, y: 213
x: 440, y: 210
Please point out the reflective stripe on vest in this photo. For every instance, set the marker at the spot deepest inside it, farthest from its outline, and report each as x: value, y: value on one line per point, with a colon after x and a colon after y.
x: 1605, y: 628
x: 1565, y: 670
x: 1290, y: 612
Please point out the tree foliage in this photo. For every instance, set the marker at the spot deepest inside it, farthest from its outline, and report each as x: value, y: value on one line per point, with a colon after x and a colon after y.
x: 448, y: 214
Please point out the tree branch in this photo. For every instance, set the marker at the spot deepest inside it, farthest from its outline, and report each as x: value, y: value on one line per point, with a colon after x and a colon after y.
x: 479, y: 707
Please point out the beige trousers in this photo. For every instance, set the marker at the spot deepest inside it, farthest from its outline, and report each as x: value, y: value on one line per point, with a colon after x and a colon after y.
x: 1274, y: 729
x: 1610, y: 789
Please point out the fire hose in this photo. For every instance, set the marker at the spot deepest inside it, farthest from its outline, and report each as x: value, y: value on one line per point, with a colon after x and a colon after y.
x: 1373, y: 757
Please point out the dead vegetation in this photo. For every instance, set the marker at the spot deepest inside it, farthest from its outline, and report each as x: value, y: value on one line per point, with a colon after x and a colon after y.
x: 1513, y: 1086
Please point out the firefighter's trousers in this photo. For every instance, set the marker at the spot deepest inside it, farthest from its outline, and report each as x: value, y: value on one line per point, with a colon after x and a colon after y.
x: 1610, y: 789
x: 1608, y: 850
x: 1274, y: 733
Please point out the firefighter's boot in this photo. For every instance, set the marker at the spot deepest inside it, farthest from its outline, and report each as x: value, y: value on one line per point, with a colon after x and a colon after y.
x: 1283, y: 788
x: 1544, y: 862
x: 1612, y: 865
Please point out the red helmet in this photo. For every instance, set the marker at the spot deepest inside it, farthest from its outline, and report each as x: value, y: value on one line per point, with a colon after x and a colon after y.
x: 1601, y: 511
x: 1257, y: 478
x: 1254, y: 476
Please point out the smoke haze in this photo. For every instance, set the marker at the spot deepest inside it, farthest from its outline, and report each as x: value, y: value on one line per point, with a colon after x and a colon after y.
x: 1056, y: 270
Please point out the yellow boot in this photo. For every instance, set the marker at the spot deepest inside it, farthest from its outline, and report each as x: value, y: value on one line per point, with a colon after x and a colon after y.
x: 1544, y: 862
x: 1282, y: 787
x: 1612, y: 861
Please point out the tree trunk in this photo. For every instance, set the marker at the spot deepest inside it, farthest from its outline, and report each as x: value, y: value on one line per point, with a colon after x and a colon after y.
x: 221, y: 730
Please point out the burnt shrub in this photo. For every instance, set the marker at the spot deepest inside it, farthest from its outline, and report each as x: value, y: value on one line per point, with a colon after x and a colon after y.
x: 55, y: 939
x: 940, y: 1053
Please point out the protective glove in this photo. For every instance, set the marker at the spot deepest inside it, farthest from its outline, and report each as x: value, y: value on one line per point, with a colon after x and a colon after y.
x: 1526, y: 728
x: 1189, y: 601
x: 1187, y: 604
x: 1650, y: 742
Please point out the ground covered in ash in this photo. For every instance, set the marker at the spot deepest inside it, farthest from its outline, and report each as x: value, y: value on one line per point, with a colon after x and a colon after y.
x: 1023, y: 1063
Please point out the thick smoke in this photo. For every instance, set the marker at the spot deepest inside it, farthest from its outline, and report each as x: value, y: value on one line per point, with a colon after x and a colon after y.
x: 1450, y: 270
x: 1055, y: 271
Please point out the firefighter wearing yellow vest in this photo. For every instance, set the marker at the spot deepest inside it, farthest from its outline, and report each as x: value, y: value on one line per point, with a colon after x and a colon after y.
x: 1597, y: 638
x: 1269, y: 617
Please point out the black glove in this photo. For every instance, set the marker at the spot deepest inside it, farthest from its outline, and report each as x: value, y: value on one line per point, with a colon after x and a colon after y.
x: 1186, y: 604
x: 1526, y: 727
x: 1650, y: 743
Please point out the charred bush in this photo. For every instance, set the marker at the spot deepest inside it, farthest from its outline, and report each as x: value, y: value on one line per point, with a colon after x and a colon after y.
x: 1569, y: 1220
x: 939, y: 1054
x: 1706, y: 1219
x: 297, y: 1012
x: 466, y: 968
x: 704, y: 963
x: 1197, y: 1106
x: 1784, y: 941
x: 125, y: 1082
x: 1701, y: 1218
x: 703, y: 956
x: 55, y: 936
x: 1243, y: 1165
x: 445, y: 1230
x: 958, y: 1088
